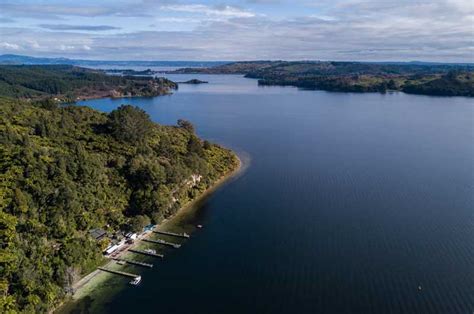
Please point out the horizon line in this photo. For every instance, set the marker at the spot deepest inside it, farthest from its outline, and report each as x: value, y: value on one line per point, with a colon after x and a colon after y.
x: 233, y: 61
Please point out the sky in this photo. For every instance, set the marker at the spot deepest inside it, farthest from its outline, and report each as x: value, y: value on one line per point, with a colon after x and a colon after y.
x: 350, y: 30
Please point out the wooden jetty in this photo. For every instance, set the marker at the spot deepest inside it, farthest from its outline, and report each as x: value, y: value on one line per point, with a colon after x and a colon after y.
x: 132, y: 262
x: 179, y: 235
x: 118, y: 272
x: 160, y: 241
x: 146, y: 253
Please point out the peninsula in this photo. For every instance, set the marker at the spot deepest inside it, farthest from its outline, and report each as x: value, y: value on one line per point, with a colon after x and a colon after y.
x: 71, y: 174
x: 67, y: 83
x: 414, y: 78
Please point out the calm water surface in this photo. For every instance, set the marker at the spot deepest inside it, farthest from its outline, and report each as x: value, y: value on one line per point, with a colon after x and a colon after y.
x: 349, y: 203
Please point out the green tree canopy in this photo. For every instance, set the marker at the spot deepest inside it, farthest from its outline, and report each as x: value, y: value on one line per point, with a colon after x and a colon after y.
x: 138, y: 222
x: 130, y: 124
x: 69, y: 169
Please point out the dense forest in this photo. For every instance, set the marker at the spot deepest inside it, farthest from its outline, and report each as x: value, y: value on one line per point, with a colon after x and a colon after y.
x: 451, y: 84
x: 415, y: 78
x: 68, y: 169
x: 69, y: 83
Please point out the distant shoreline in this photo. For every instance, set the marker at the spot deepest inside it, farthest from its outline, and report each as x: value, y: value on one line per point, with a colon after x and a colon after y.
x: 82, y: 283
x: 354, y: 77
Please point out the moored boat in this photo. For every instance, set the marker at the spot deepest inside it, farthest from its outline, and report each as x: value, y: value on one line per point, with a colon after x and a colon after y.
x: 135, y: 281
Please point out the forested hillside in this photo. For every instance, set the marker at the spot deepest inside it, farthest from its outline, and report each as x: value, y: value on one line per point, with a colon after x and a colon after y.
x: 450, y: 84
x: 415, y: 78
x: 69, y: 83
x: 68, y: 169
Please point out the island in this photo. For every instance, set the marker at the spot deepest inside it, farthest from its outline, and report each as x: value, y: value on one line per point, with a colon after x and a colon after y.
x: 358, y: 77
x: 194, y: 81
x: 77, y: 182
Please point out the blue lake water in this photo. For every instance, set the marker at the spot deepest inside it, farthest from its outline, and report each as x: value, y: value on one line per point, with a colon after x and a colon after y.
x: 349, y: 203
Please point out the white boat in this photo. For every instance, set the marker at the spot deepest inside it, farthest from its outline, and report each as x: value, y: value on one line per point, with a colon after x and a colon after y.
x: 136, y: 281
x: 150, y: 251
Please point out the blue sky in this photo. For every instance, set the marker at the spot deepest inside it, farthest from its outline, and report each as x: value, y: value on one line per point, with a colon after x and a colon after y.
x: 364, y: 30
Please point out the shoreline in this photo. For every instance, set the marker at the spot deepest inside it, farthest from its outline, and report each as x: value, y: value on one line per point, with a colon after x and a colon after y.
x: 85, y: 98
x: 209, y: 191
x: 82, y: 283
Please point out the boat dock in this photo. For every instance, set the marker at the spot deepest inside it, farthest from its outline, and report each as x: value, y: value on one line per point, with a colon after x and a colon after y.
x: 179, y: 235
x: 146, y: 253
x: 132, y: 262
x: 160, y: 241
x: 118, y: 272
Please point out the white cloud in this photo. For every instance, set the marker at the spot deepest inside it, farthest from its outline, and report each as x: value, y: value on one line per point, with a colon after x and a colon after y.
x: 34, y: 44
x: 462, y: 5
x: 222, y: 11
x: 75, y: 48
x: 66, y: 47
x: 431, y: 30
x: 9, y: 46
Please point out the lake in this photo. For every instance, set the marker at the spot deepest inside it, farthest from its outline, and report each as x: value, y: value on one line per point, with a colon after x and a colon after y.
x: 349, y: 203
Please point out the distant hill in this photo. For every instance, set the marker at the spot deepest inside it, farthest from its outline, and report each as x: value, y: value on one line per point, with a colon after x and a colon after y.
x: 441, y: 79
x: 257, y: 69
x: 20, y: 59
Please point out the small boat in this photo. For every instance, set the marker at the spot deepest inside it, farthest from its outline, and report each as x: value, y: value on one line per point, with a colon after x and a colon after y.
x: 136, y: 281
x: 420, y: 288
x: 199, y: 226
x: 150, y: 251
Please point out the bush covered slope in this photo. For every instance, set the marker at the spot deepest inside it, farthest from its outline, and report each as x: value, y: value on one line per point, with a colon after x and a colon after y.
x: 451, y: 84
x: 415, y: 78
x: 68, y: 83
x: 65, y: 170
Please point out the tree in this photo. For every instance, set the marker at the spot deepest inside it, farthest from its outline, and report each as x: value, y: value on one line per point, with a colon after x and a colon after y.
x: 195, y: 145
x: 137, y: 223
x: 392, y: 85
x: 21, y: 203
x: 130, y: 124
x: 185, y: 124
x: 48, y: 104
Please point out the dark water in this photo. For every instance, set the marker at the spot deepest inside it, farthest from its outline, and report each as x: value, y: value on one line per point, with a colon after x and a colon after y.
x: 349, y: 203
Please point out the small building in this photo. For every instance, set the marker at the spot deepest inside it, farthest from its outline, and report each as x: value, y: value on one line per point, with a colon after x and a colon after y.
x: 97, y: 234
x: 131, y: 235
x: 112, y: 249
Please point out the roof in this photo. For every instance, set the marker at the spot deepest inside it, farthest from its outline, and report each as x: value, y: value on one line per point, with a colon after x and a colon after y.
x: 149, y: 227
x: 97, y: 233
x: 112, y: 248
